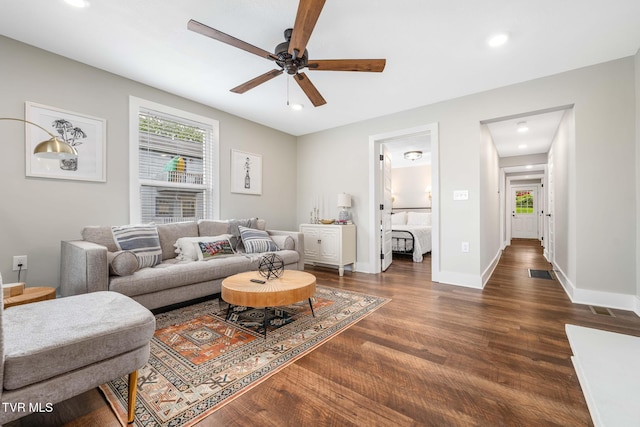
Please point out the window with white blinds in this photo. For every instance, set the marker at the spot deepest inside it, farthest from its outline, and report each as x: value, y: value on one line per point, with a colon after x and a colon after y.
x: 176, y: 175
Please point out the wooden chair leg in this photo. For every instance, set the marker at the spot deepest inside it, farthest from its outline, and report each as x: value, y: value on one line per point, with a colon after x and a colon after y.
x: 133, y: 390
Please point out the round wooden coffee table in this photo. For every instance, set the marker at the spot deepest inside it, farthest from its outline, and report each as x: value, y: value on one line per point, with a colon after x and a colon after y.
x: 291, y: 287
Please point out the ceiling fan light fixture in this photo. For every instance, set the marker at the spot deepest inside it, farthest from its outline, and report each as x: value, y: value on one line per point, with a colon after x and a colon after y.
x: 498, y: 40
x: 77, y: 3
x: 296, y: 107
x: 413, y: 155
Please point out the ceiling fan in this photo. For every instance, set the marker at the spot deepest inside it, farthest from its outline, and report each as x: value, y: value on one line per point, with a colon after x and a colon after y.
x: 291, y: 55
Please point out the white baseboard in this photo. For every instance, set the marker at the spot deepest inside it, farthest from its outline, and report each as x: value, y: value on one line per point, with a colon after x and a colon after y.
x: 460, y: 279
x: 490, y: 269
x: 598, y: 298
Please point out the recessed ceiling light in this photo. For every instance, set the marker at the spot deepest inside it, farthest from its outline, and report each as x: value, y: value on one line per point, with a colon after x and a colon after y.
x: 297, y: 107
x: 522, y: 127
x: 77, y: 3
x: 522, y: 146
x: 498, y: 39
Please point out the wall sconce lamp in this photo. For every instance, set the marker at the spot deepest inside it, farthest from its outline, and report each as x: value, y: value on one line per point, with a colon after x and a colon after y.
x: 413, y: 155
x: 52, y: 148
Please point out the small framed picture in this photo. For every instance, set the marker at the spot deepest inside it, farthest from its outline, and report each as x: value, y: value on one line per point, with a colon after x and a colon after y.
x: 246, y: 173
x: 88, y: 135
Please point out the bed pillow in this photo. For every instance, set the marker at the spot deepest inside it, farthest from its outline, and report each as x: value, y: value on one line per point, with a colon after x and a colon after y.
x: 142, y: 240
x: 210, y: 249
x: 399, y: 218
x: 256, y: 241
x: 187, y: 247
x: 419, y: 218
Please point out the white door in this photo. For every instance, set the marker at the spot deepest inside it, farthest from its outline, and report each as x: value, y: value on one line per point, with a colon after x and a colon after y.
x: 385, y: 214
x: 524, y: 212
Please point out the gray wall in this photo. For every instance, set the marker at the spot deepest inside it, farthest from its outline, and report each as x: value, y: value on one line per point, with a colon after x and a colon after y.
x: 604, y: 98
x: 489, y: 201
x: 36, y: 214
x: 564, y: 205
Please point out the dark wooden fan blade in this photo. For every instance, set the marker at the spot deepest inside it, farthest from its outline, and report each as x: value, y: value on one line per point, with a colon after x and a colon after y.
x: 205, y: 30
x: 257, y: 81
x: 370, y: 65
x: 309, y: 89
x: 306, y: 18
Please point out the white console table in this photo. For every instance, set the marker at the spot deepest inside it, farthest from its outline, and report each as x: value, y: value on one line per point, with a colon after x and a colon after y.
x: 333, y: 245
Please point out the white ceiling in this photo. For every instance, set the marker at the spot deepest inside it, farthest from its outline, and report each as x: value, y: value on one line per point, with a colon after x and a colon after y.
x: 435, y: 49
x: 541, y: 129
x: 398, y: 146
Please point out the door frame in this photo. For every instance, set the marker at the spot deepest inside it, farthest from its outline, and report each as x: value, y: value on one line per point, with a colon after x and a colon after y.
x: 375, y: 142
x: 506, y: 204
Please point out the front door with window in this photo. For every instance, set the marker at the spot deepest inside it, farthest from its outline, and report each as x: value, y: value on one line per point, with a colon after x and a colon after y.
x: 524, y: 213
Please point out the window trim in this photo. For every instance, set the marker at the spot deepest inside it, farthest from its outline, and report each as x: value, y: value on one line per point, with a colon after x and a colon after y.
x: 135, y: 104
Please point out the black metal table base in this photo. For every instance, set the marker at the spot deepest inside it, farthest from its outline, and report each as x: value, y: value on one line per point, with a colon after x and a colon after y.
x: 264, y: 322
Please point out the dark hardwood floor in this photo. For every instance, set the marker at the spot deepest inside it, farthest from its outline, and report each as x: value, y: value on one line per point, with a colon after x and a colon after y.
x: 436, y: 355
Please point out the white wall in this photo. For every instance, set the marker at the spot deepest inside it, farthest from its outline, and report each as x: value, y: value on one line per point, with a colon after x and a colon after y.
x: 489, y: 204
x: 564, y: 206
x: 637, y: 69
x: 410, y: 186
x: 36, y: 214
x: 604, y: 98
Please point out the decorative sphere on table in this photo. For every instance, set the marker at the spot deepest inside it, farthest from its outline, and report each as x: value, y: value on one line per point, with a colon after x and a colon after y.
x: 271, y: 266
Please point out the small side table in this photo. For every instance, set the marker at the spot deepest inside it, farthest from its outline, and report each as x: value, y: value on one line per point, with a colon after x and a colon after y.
x: 31, y: 295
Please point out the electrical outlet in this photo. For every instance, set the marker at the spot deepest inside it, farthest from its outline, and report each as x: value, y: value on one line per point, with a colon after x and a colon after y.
x: 465, y: 247
x: 19, y: 259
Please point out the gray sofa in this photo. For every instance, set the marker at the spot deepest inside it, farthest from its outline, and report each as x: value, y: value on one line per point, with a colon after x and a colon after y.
x: 95, y: 263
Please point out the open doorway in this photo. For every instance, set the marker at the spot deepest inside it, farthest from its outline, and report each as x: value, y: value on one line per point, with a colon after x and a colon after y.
x: 380, y: 212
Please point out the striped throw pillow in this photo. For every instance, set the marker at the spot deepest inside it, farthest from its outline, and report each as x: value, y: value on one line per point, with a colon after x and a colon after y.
x: 142, y: 240
x: 256, y: 241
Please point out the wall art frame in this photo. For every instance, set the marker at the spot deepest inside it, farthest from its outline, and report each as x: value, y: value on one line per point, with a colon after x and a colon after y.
x: 246, y: 173
x: 86, y: 133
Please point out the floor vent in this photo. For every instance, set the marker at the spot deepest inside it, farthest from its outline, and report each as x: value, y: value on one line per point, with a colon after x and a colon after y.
x: 601, y: 311
x: 540, y: 274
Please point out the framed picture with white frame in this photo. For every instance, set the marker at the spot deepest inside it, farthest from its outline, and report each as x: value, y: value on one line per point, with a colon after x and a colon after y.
x: 246, y: 172
x: 87, y: 134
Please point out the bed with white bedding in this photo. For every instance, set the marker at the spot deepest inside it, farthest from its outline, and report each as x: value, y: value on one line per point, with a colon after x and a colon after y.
x: 411, y: 233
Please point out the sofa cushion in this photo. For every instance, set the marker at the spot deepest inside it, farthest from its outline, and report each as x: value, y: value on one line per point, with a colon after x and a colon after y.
x: 101, y: 235
x: 173, y: 274
x: 122, y: 263
x: 187, y: 247
x: 289, y: 257
x: 209, y: 227
x: 170, y: 233
x: 142, y: 240
x: 256, y: 241
x: 49, y: 338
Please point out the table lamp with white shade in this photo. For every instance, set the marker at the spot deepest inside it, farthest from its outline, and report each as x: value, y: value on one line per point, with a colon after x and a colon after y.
x: 344, y: 202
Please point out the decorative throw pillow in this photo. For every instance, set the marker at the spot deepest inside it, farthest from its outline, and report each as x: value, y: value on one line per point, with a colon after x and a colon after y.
x: 122, y: 263
x: 142, y: 240
x: 234, y: 230
x: 256, y: 241
x: 213, y: 249
x: 186, y: 249
x: 284, y: 242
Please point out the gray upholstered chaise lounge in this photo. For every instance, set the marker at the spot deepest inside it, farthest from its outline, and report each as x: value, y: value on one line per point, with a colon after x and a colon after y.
x: 53, y: 350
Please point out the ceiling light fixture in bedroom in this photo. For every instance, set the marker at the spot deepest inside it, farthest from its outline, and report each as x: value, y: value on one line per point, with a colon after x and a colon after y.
x: 522, y: 127
x: 413, y: 155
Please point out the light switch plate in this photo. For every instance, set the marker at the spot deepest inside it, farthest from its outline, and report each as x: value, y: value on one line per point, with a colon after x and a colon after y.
x: 461, y: 195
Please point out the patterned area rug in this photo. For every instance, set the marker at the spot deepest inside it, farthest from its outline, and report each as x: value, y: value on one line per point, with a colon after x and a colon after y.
x: 199, y: 361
